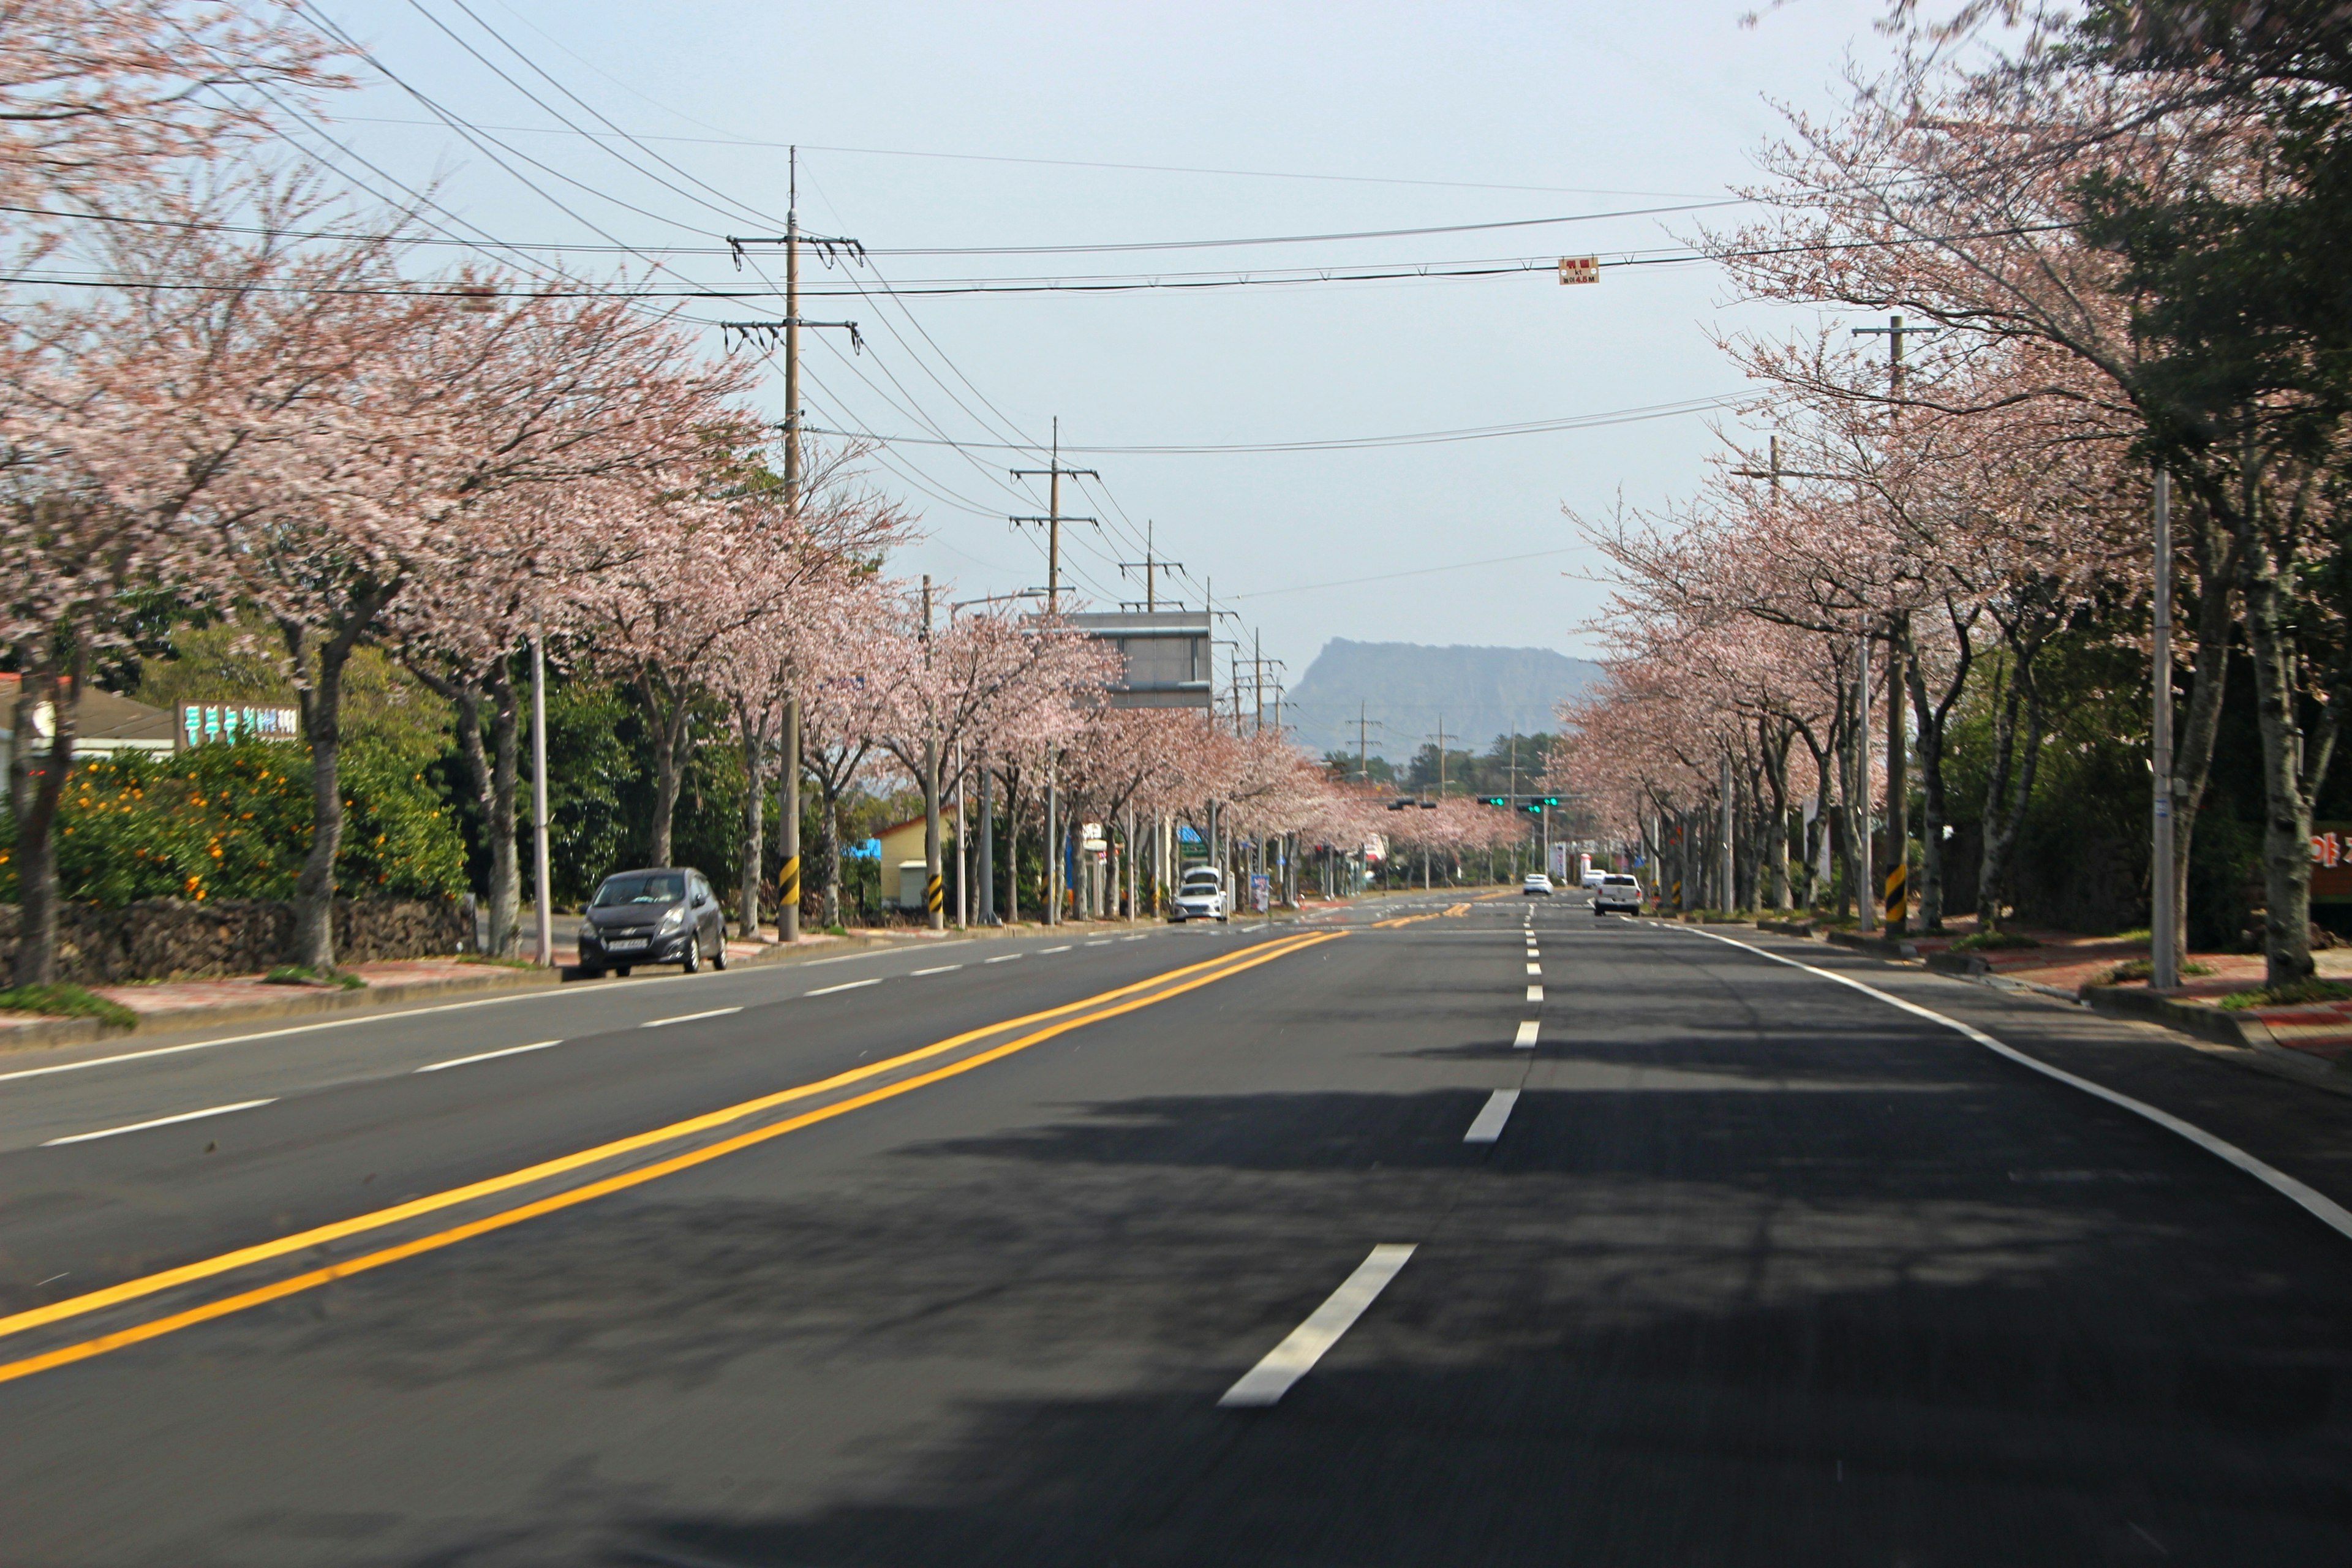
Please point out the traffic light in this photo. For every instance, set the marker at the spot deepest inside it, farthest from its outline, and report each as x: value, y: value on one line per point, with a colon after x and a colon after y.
x: 1401, y: 805
x: 1494, y: 800
x: 1533, y: 808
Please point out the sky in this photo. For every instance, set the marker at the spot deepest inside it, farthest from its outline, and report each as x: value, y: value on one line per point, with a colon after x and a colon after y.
x: 1021, y: 125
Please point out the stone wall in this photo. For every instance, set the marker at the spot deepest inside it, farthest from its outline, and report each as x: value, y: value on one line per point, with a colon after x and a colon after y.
x: 175, y: 938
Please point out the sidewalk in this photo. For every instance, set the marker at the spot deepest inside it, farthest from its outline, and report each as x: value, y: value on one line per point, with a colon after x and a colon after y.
x: 164, y: 1007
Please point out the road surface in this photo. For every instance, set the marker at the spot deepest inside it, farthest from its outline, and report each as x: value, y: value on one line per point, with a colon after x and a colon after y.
x: 1443, y: 1230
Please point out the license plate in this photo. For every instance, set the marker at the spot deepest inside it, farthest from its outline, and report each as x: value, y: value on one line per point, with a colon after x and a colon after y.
x: 626, y: 944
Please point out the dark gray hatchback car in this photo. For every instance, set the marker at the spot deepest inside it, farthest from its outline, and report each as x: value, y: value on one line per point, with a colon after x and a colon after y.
x: 665, y: 916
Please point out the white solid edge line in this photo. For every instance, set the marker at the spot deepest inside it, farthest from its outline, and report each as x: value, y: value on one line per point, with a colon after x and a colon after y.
x: 936, y: 969
x: 160, y: 1122
x: 1291, y: 1360
x: 486, y: 1056
x: 1487, y: 1125
x: 1526, y: 1038
x: 688, y: 1017
x: 1534, y: 993
x: 2327, y: 1210
x: 845, y: 985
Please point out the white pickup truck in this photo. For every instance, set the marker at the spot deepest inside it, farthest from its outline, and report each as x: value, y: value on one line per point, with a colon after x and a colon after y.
x: 1202, y: 896
x: 1617, y: 891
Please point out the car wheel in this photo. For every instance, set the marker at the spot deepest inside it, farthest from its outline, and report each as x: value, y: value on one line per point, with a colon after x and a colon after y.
x: 591, y: 972
x: 622, y: 969
x: 692, y: 962
x: 719, y: 954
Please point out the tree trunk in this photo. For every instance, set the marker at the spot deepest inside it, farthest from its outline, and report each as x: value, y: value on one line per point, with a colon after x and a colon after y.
x: 673, y: 742
x: 2286, y: 804
x: 2217, y: 559
x: 1931, y: 718
x: 755, y: 820
x: 828, y: 852
x: 36, y: 817
x: 321, y: 699
x: 2009, y: 783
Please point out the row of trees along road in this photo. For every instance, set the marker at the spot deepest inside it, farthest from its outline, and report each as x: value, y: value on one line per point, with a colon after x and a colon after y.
x: 2115, y: 238
x: 267, y: 415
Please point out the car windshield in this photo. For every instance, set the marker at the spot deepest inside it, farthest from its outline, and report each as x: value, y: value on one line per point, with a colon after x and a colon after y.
x: 660, y: 888
x: 1619, y: 881
x: 1201, y: 879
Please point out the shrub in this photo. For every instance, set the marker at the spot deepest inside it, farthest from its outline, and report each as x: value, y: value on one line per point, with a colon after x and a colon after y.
x: 2133, y: 969
x: 2301, y: 992
x: 233, y: 822
x: 67, y: 1002
x: 1994, y: 941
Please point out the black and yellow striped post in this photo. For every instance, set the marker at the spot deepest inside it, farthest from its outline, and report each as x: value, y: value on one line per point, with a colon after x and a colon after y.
x: 935, y: 894
x: 1897, y: 895
x: 788, y: 884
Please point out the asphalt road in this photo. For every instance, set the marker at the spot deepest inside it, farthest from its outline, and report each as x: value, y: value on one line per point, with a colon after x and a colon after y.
x: 1321, y: 1242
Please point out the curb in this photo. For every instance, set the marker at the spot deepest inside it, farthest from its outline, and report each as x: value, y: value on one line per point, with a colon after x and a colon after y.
x: 2205, y: 1023
x: 1876, y: 946
x: 299, y: 1004
x: 1786, y: 928
x: 2248, y: 1035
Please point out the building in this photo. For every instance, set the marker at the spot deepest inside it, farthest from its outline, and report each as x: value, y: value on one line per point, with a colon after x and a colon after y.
x: 1164, y: 656
x: 902, y: 847
x: 108, y: 723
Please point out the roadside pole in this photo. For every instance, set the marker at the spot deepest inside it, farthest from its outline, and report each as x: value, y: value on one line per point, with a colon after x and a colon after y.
x: 2164, y: 945
x: 545, y: 911
x: 1729, y: 888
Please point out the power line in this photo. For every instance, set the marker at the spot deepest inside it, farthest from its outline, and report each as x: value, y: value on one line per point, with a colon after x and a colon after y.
x: 1348, y: 443
x: 1062, y: 163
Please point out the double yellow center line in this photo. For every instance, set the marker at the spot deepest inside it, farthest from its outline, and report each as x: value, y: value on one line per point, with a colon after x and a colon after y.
x: 1047, y: 1024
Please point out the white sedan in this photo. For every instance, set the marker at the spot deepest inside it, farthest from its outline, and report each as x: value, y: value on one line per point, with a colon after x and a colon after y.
x: 1536, y: 886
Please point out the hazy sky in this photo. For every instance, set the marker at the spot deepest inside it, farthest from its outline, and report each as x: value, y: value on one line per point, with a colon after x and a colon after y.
x: 1414, y: 115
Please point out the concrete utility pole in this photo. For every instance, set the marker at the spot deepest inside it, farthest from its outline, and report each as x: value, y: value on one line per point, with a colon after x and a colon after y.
x: 1151, y: 565
x: 1054, y: 473
x: 934, y: 884
x: 545, y: 910
x: 1899, y: 804
x: 2164, y: 945
x: 788, y: 814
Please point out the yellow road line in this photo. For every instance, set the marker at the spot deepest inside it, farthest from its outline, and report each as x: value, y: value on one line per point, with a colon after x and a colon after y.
x: 338, y: 1230
x: 1218, y: 969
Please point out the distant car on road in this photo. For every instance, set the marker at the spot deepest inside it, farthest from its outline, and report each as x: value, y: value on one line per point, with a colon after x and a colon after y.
x: 1594, y: 876
x: 663, y: 916
x: 1536, y: 885
x: 1617, y: 891
x: 1202, y: 896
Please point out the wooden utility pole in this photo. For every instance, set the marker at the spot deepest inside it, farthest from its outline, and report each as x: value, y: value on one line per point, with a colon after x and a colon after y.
x: 1151, y: 565
x: 788, y: 814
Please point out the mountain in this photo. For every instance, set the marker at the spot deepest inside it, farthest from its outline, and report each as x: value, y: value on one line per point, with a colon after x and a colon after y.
x: 1405, y: 688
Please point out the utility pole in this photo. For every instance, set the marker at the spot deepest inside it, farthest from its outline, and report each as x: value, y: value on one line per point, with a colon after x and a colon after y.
x: 1151, y: 565
x: 545, y: 910
x: 1257, y: 677
x: 829, y: 246
x: 1898, y: 789
x: 1053, y: 520
x: 1363, y: 747
x: 934, y: 884
x: 2164, y: 945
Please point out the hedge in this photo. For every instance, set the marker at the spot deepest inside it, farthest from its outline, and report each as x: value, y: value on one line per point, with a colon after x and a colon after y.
x: 233, y: 822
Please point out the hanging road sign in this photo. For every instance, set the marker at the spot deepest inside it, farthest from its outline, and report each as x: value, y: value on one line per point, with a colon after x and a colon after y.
x: 1579, y: 270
